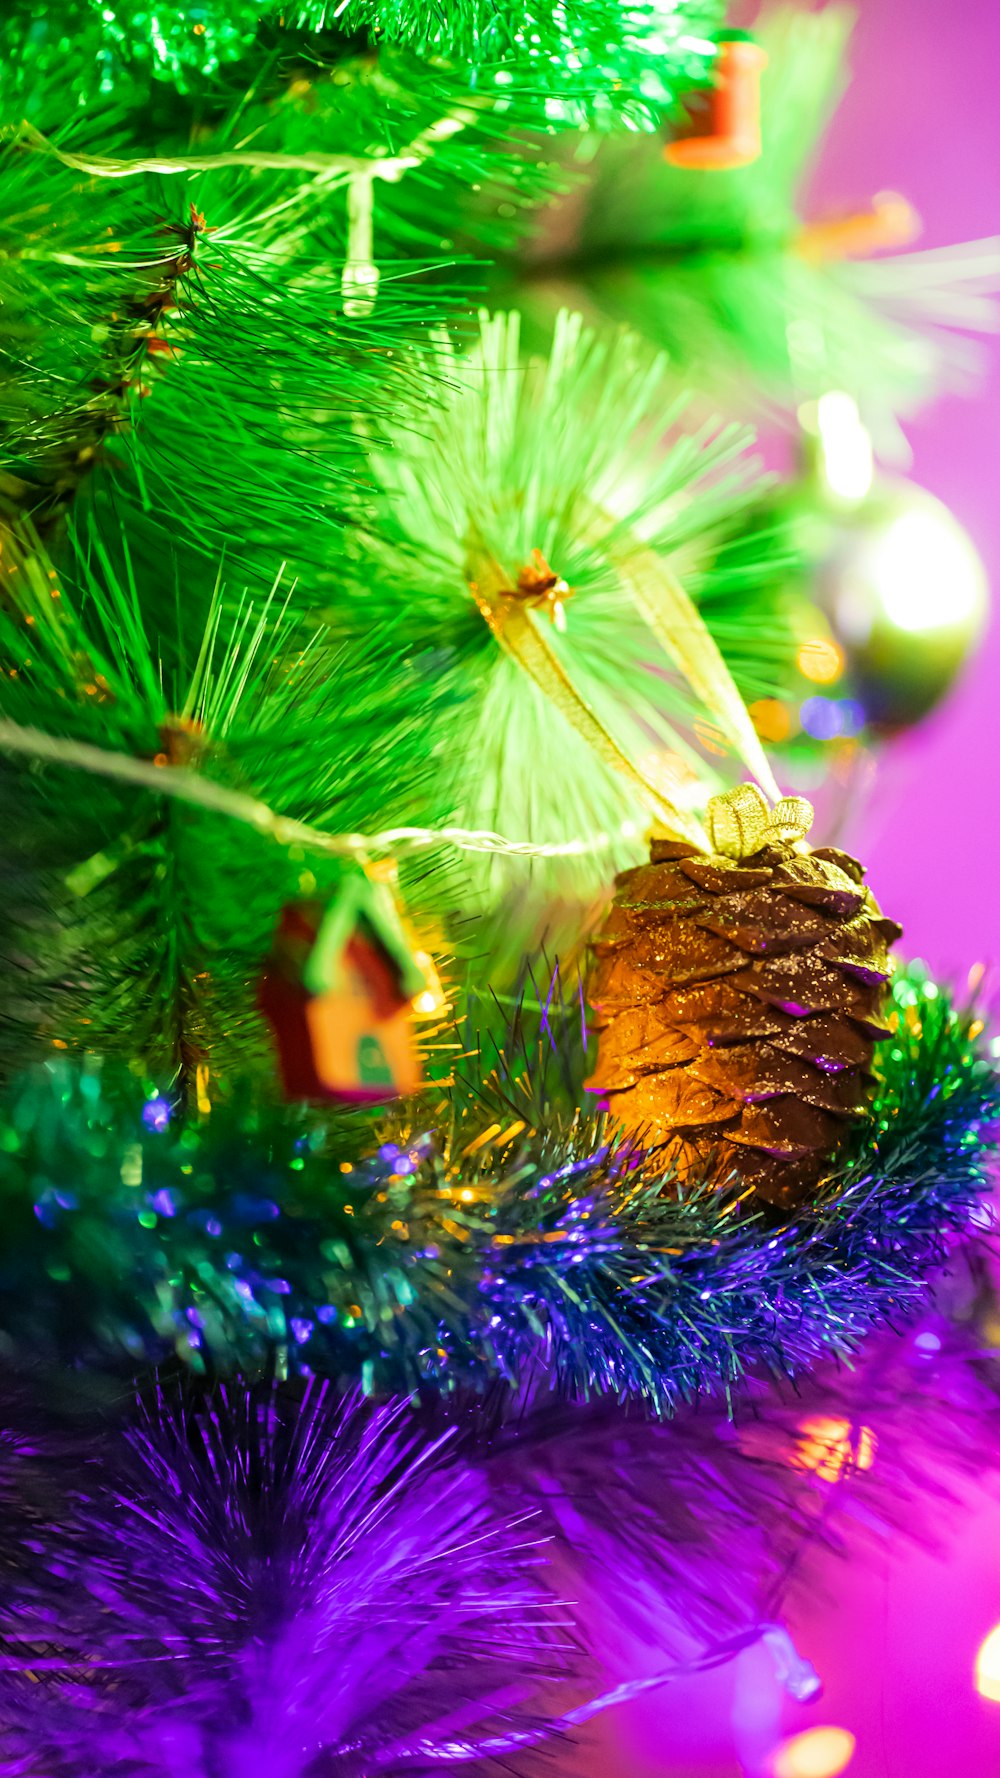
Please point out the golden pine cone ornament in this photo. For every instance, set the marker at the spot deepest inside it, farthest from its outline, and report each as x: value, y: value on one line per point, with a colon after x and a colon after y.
x: 739, y: 995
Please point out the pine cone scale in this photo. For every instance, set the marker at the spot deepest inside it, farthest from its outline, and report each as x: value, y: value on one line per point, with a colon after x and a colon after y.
x: 829, y: 1042
x: 687, y: 1103
x: 690, y: 955
x: 722, y: 880
x: 804, y: 985
x: 789, y: 1128
x: 738, y: 1003
x: 768, y: 1073
x: 749, y: 935
x: 843, y: 902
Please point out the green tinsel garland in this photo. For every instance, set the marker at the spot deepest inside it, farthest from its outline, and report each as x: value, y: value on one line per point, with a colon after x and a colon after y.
x: 504, y: 1228
x: 563, y: 57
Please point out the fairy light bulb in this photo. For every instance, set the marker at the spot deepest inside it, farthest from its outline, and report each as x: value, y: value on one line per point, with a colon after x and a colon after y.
x: 848, y: 461
x: 988, y: 1666
x: 359, y: 280
x: 816, y: 1753
x: 795, y: 1673
x: 431, y: 999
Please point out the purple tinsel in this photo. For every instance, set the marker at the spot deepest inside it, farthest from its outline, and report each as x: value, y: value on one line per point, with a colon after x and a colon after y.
x: 262, y: 1587
x: 277, y: 1582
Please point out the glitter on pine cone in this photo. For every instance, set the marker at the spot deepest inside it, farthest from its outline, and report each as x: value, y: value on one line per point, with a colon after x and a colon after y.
x: 739, y: 999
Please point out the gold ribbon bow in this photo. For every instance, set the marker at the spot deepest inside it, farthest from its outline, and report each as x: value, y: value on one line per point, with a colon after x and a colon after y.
x: 740, y: 822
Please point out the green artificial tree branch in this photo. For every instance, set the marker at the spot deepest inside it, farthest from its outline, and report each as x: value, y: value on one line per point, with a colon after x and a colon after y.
x: 140, y: 920
x: 133, y: 342
x: 580, y: 469
x: 191, y: 787
x: 723, y: 272
x: 84, y: 238
x: 544, y: 60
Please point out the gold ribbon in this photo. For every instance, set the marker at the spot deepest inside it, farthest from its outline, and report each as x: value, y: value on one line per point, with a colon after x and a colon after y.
x: 674, y: 619
x: 741, y: 821
x: 508, y: 611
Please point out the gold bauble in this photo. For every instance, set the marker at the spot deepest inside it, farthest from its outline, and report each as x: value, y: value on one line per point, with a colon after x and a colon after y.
x: 906, y: 597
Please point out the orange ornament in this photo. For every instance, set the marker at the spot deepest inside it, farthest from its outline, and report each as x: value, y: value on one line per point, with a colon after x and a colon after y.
x: 722, y: 128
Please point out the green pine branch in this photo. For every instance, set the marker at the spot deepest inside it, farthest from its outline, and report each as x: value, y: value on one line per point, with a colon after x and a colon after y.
x: 708, y: 266
x: 278, y: 374
x: 136, y: 923
x: 571, y: 460
x: 550, y: 59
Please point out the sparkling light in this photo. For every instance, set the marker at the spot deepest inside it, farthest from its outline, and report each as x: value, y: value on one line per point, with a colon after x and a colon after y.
x: 431, y: 999
x: 817, y: 1753
x: 988, y: 1666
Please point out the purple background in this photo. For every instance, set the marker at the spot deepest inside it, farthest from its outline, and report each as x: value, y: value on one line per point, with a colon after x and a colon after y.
x: 922, y: 117
x: 895, y: 1633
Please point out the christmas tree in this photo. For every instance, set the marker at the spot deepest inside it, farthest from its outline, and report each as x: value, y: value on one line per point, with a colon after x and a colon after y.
x: 443, y: 1046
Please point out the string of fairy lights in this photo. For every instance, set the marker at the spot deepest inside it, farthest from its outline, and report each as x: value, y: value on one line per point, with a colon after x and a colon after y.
x: 191, y: 787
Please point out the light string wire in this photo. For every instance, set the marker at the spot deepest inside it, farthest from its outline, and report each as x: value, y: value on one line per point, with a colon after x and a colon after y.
x: 333, y: 168
x: 797, y: 1676
x: 190, y: 787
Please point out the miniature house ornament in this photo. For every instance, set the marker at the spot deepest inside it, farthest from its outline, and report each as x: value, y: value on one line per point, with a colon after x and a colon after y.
x: 338, y: 991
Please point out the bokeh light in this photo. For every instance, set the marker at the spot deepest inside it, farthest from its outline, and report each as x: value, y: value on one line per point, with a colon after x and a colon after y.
x: 820, y: 659
x: 156, y: 1113
x: 848, y: 460
x: 430, y: 1001
x: 771, y: 718
x: 828, y: 1446
x: 828, y: 719
x: 988, y: 1666
x: 926, y: 571
x: 671, y: 774
x: 816, y: 1753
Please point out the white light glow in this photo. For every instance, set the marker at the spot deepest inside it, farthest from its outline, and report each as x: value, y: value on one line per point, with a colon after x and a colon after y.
x: 925, y: 571
x: 848, y: 461
x: 988, y: 1666
x: 818, y: 1753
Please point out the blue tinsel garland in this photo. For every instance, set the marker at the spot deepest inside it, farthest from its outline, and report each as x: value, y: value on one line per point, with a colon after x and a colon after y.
x: 502, y: 1229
